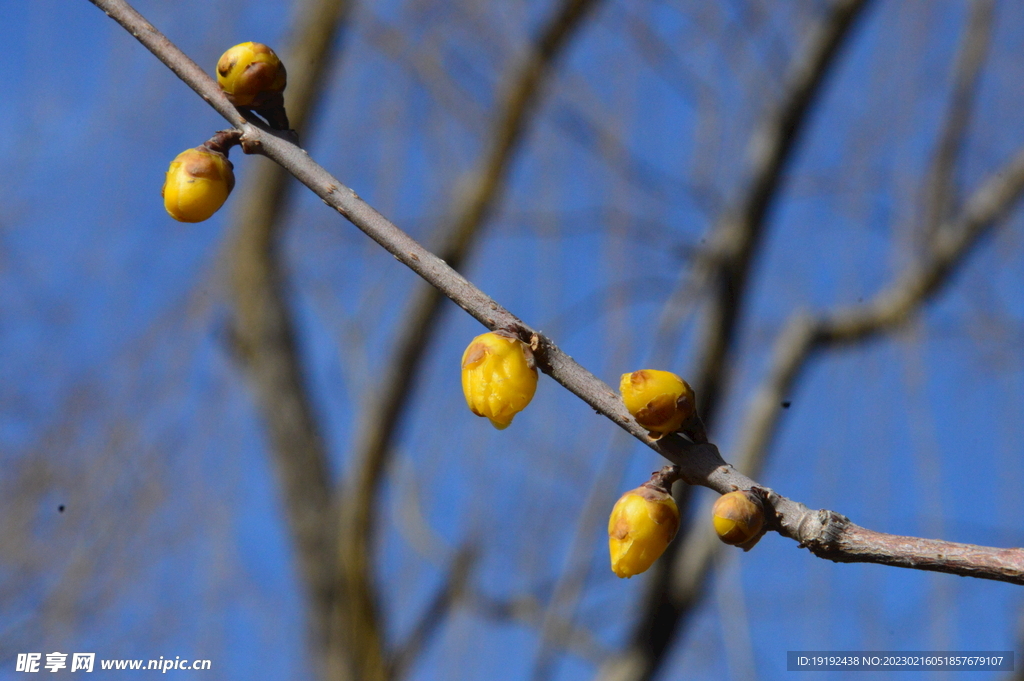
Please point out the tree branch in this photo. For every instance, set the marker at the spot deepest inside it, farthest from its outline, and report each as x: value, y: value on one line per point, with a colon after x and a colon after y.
x: 738, y: 236
x: 266, y: 342
x: 940, y: 192
x: 725, y: 269
x: 531, y: 611
x: 841, y: 541
x: 700, y: 464
x: 472, y: 211
x: 381, y: 421
x: 804, y: 335
x: 447, y: 597
x: 890, y: 308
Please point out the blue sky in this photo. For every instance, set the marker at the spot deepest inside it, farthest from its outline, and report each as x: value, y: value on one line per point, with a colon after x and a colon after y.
x: 120, y: 399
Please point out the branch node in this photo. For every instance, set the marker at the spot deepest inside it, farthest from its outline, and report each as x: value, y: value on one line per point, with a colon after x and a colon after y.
x: 251, y: 144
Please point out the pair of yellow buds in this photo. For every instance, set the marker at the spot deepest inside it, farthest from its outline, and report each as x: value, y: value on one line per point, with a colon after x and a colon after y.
x: 499, y: 378
x: 199, y: 180
x: 645, y: 520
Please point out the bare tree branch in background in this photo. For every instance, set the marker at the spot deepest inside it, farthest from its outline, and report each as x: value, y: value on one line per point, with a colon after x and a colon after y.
x: 531, y: 611
x: 447, y: 597
x: 1018, y: 674
x: 951, y: 240
x: 738, y: 235
x: 264, y: 334
x: 483, y: 190
x: 429, y: 71
x: 940, y: 189
x: 805, y: 335
x: 947, y: 242
x: 724, y: 270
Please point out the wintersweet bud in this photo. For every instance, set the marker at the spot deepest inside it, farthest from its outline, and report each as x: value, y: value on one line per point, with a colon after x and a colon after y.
x: 499, y: 377
x: 642, y: 524
x: 738, y: 517
x: 197, y: 184
x: 251, y: 74
x: 660, y: 401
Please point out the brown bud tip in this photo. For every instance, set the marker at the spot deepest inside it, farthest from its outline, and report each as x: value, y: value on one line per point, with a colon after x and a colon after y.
x: 738, y: 517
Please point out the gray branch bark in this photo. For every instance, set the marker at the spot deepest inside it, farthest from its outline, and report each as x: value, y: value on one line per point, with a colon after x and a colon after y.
x: 826, y: 533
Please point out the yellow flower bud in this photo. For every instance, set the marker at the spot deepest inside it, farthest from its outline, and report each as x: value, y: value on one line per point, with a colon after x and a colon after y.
x: 738, y: 517
x: 498, y: 377
x: 643, y: 522
x: 250, y: 73
x: 660, y: 401
x: 197, y: 184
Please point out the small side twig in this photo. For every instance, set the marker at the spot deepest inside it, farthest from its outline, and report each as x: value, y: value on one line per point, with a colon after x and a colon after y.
x: 530, y: 611
x: 447, y: 597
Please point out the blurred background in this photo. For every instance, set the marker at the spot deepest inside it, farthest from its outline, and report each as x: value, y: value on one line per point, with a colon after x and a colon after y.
x: 244, y: 440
